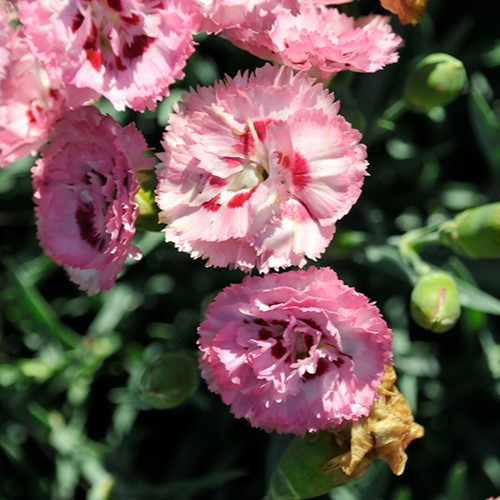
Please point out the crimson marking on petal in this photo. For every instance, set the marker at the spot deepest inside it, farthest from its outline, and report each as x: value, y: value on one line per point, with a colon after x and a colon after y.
x: 308, y: 341
x: 85, y: 221
x: 213, y: 205
x: 339, y: 362
x: 261, y: 322
x: 90, y: 46
x: 298, y: 168
x: 115, y: 5
x: 278, y: 350
x: 246, y: 146
x: 232, y: 162
x: 265, y: 334
x: 279, y: 322
x: 239, y: 199
x: 132, y: 20
x: 31, y: 116
x: 54, y: 93
x: 119, y: 64
x: 321, y: 369
x: 77, y: 21
x: 139, y: 45
x: 312, y: 324
x: 217, y: 181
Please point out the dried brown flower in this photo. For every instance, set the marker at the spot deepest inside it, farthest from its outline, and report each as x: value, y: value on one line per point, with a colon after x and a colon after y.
x: 408, y: 11
x: 385, y: 433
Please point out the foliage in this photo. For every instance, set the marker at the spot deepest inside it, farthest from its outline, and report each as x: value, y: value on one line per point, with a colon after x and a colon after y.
x: 73, y: 418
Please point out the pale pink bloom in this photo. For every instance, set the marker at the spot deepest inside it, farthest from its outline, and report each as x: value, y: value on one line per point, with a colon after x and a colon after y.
x: 257, y: 170
x: 221, y: 14
x: 84, y: 184
x: 5, y: 33
x: 294, y: 352
x: 30, y: 102
x: 320, y: 40
x: 129, y: 51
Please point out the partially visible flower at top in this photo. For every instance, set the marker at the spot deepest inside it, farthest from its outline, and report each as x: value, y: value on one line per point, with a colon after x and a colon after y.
x: 294, y: 352
x: 84, y: 184
x: 5, y: 32
x: 129, y: 51
x: 385, y: 433
x: 30, y: 101
x: 320, y: 40
x: 222, y: 14
x: 257, y: 171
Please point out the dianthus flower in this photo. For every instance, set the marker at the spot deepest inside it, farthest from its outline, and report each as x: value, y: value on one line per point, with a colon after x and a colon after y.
x: 294, y: 352
x: 129, y: 51
x: 257, y: 171
x: 222, y: 14
x: 84, y: 184
x: 30, y: 102
x: 320, y: 40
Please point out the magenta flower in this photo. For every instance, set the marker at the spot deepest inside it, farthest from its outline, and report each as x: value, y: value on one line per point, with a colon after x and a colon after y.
x: 294, y: 352
x: 257, y: 170
x: 129, y: 51
x: 30, y: 102
x: 84, y: 184
x: 320, y: 40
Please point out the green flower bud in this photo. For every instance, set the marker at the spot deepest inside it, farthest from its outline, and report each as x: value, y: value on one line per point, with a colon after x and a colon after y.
x: 474, y: 233
x: 147, y: 217
x: 435, y: 303
x: 435, y: 81
x: 170, y: 380
x: 301, y: 472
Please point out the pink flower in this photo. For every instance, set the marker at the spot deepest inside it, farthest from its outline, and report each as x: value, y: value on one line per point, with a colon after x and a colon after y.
x: 30, y: 102
x: 320, y: 40
x: 294, y: 352
x: 84, y: 184
x: 220, y: 14
x: 257, y: 170
x: 129, y: 51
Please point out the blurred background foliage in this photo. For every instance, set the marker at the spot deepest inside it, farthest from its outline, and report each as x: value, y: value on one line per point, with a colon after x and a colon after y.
x: 74, y: 421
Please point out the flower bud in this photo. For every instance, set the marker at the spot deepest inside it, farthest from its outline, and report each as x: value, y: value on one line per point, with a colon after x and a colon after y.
x: 313, y: 465
x: 475, y: 232
x: 147, y: 217
x: 435, y: 303
x: 301, y: 471
x: 435, y: 81
x: 170, y: 380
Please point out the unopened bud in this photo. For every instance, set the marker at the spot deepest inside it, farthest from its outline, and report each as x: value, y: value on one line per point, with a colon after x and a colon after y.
x: 147, y: 217
x: 474, y: 233
x: 435, y: 303
x: 301, y: 471
x: 170, y: 380
x: 435, y: 81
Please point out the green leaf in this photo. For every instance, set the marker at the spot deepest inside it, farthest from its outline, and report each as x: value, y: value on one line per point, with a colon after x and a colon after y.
x: 40, y: 310
x: 473, y: 297
x: 485, y: 124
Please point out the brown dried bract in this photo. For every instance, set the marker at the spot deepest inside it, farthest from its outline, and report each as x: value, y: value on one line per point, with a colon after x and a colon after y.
x: 408, y: 11
x: 385, y: 432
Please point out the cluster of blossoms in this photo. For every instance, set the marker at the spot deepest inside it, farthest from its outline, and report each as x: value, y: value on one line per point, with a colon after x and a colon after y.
x: 256, y: 172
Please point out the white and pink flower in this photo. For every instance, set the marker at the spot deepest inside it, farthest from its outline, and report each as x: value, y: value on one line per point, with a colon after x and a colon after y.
x: 295, y: 352
x: 30, y: 101
x: 318, y: 39
x: 224, y: 14
x: 129, y: 51
x: 84, y: 185
x: 257, y: 171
